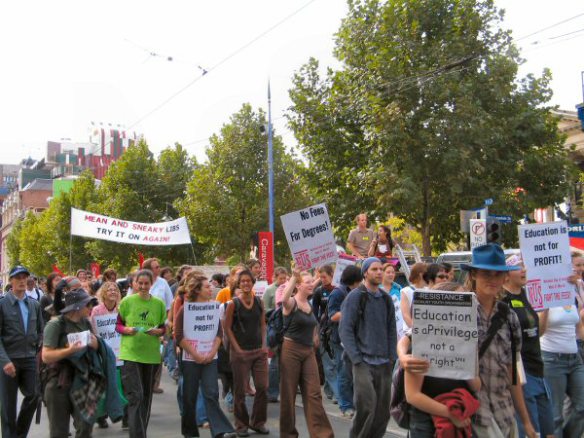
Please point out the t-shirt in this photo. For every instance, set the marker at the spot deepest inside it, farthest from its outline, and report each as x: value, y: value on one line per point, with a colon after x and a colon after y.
x: 137, y: 312
x: 530, y: 349
x: 54, y: 337
x: 161, y: 289
x: 224, y: 295
x: 560, y: 334
x: 269, y: 297
x: 361, y: 240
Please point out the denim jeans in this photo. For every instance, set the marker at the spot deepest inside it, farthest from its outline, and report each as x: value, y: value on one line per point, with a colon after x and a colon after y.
x: 330, y: 374
x: 565, y: 375
x: 538, y: 402
x: 344, y: 379
x: 274, y: 377
x: 170, y: 356
x: 421, y: 424
x: 26, y: 381
x: 201, y: 411
x: 205, y: 377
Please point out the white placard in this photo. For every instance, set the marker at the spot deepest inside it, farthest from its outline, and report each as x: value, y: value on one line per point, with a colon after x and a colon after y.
x: 478, y: 232
x: 341, y: 264
x: 82, y: 337
x: 399, y: 319
x: 105, y: 326
x: 545, y: 249
x: 445, y: 333
x: 96, y: 226
x: 200, y: 325
x: 310, y: 237
x: 259, y: 288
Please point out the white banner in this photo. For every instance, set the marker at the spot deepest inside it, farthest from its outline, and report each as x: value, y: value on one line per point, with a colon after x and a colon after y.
x: 310, y: 237
x: 106, y: 329
x: 445, y: 333
x: 545, y: 249
x: 200, y: 325
x: 260, y: 287
x: 96, y: 226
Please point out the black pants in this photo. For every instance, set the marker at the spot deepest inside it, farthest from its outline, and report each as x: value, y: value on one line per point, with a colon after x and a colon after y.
x: 26, y: 381
x: 60, y: 410
x: 138, y: 383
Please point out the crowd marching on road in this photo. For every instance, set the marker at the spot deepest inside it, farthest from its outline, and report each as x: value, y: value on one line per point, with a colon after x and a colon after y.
x: 92, y: 350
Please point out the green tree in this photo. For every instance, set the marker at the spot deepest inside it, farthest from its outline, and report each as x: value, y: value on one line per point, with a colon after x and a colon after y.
x: 33, y: 245
x: 227, y: 199
x: 13, y: 242
x: 427, y: 116
x: 138, y: 188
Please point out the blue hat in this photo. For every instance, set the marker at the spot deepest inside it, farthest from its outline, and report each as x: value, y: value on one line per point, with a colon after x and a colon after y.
x: 18, y: 269
x: 367, y: 263
x: 489, y: 257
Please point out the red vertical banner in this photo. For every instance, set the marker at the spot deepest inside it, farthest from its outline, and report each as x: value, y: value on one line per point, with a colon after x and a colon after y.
x: 266, y: 255
x: 140, y: 259
x: 95, y: 270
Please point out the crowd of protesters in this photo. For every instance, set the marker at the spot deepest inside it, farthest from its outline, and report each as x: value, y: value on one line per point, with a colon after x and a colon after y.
x: 341, y: 339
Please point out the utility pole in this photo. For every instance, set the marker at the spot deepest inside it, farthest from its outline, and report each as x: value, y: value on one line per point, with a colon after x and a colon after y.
x: 270, y: 165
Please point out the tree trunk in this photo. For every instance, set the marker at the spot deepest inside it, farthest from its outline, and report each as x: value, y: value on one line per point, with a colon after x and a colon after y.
x: 426, y: 240
x: 426, y: 236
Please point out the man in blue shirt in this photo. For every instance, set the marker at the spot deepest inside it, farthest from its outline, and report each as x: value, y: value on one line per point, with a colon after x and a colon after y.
x: 21, y: 328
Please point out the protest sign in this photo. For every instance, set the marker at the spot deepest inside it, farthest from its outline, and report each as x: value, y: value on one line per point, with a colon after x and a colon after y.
x: 82, y: 337
x: 545, y: 249
x: 399, y: 319
x: 106, y: 329
x: 200, y: 325
x: 445, y: 333
x: 342, y: 262
x: 96, y: 226
x: 310, y: 237
x: 259, y: 288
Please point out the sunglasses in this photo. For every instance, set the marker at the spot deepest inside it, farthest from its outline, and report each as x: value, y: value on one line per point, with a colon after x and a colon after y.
x: 442, y: 276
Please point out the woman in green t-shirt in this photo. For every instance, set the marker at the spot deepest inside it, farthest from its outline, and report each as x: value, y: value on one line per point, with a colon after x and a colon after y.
x: 141, y: 322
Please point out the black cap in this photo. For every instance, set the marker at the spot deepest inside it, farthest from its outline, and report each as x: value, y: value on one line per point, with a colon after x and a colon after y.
x: 18, y: 269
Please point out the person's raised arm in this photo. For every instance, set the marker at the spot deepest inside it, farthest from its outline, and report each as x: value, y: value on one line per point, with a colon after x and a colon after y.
x: 287, y: 300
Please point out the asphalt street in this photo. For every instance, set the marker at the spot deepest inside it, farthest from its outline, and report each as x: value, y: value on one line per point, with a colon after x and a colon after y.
x: 165, y: 419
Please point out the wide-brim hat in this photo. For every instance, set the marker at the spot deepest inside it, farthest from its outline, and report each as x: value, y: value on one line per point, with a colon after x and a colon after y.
x: 489, y: 257
x: 77, y: 299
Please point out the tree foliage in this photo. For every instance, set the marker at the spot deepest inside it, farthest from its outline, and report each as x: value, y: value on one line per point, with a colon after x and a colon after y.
x: 226, y: 201
x: 427, y: 116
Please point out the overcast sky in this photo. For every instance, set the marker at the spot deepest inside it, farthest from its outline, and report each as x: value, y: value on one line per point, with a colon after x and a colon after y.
x: 66, y: 64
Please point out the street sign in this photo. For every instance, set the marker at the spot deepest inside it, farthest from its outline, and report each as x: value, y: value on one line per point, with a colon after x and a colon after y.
x: 478, y: 232
x: 489, y: 201
x: 503, y: 218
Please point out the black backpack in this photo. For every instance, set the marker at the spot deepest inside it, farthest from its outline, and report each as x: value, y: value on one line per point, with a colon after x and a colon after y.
x: 399, y: 408
x: 276, y: 327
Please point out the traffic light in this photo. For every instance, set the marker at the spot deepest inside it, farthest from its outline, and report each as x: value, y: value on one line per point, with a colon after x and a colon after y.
x: 494, y: 230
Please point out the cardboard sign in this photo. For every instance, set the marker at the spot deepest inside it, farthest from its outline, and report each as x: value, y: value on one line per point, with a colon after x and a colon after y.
x: 82, y: 337
x: 200, y: 325
x: 342, y: 262
x: 445, y: 333
x: 106, y: 329
x: 310, y: 237
x: 545, y: 249
x: 259, y: 288
x: 96, y: 226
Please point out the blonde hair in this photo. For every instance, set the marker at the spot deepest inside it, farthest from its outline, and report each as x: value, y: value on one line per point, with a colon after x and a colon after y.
x: 191, y: 292
x: 104, y: 288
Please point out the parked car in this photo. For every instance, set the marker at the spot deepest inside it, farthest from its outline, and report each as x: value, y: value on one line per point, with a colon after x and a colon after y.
x: 460, y: 257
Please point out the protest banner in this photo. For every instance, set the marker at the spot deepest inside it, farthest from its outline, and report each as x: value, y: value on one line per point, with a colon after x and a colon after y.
x: 445, y: 333
x: 266, y: 255
x: 576, y: 233
x: 81, y: 337
x: 545, y: 249
x: 106, y: 329
x: 96, y: 226
x: 310, y: 237
x: 200, y: 325
x: 342, y: 262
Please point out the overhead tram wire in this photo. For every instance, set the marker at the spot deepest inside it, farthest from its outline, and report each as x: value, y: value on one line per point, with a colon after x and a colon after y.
x: 220, y: 63
x: 550, y: 27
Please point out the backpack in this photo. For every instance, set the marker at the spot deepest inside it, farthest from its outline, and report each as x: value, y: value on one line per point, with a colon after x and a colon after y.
x: 399, y: 408
x: 276, y: 327
x: 325, y: 332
